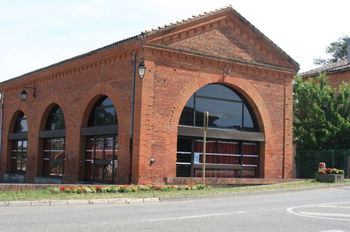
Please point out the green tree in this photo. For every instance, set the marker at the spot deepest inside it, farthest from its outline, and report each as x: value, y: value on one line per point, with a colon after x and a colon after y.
x: 321, y: 114
x: 337, y: 50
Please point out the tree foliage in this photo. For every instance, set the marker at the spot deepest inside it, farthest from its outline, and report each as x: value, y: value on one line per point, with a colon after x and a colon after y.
x: 337, y: 50
x: 321, y: 114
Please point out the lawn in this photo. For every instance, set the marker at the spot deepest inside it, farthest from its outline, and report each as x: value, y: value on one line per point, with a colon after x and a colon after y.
x: 49, y: 195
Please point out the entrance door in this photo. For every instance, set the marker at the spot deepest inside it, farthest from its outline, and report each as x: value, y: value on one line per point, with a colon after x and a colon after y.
x: 101, y: 158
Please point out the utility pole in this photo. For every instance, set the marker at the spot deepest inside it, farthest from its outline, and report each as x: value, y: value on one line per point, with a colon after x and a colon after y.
x: 205, y: 127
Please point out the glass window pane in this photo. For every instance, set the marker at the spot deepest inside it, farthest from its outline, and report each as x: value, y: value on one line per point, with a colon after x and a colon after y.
x: 21, y: 124
x: 109, y: 149
x: 187, y: 113
x: 248, y: 121
x: 222, y: 114
x: 99, y: 148
x: 24, y: 145
x: 103, y: 113
x: 107, y: 102
x: 187, y: 117
x: 53, y: 157
x: 218, y: 91
x: 55, y: 119
x: 18, y: 156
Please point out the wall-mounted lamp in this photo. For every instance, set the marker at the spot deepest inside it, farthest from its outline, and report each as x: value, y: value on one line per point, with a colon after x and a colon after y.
x: 152, y: 161
x: 24, y: 94
x: 142, y: 68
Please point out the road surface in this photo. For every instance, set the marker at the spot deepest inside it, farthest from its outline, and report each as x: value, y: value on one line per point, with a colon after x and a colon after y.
x: 324, y: 210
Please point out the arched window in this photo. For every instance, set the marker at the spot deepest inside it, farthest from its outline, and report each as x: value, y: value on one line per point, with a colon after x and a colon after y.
x: 55, y: 120
x: 54, y: 144
x: 101, y: 142
x: 21, y: 124
x: 19, y: 145
x: 103, y: 113
x: 226, y: 109
x: 232, y: 146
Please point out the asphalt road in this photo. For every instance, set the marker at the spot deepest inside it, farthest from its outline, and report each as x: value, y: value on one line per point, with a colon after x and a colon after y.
x: 315, y: 210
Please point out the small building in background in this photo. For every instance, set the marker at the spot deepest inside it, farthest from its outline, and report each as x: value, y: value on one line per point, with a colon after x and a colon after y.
x: 336, y: 72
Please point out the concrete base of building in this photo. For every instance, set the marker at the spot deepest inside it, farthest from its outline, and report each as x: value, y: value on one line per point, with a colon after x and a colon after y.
x: 13, y: 178
x: 227, y: 181
x: 48, y: 180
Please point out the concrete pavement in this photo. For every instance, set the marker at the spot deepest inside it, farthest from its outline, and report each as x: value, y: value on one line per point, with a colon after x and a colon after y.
x: 284, y: 211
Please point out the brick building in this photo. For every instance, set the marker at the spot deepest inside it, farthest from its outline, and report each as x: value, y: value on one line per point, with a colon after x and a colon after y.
x: 94, y: 118
x: 336, y: 72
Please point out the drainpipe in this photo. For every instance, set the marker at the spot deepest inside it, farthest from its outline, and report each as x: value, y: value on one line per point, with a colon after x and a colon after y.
x: 1, y: 119
x: 134, y: 58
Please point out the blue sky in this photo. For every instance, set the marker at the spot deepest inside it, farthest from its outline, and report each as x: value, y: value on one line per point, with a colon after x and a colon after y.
x: 37, y: 33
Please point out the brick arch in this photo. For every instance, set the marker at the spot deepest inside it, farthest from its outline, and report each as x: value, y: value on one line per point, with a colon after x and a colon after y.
x: 10, y: 128
x: 245, y: 88
x: 87, y: 103
x: 92, y: 96
x: 44, y: 115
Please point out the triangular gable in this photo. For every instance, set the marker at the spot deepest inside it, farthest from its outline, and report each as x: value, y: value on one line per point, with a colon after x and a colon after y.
x: 224, y: 33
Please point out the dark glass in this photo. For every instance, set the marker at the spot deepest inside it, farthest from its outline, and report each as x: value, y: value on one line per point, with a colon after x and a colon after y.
x: 55, y: 120
x: 107, y: 102
x: 103, y: 113
x: 21, y: 124
x: 219, y: 152
x: 184, y: 144
x: 187, y: 113
x: 53, y: 157
x: 19, y: 156
x: 101, y: 158
x: 226, y: 109
x: 248, y: 121
x: 218, y: 91
x: 222, y: 114
x: 183, y: 170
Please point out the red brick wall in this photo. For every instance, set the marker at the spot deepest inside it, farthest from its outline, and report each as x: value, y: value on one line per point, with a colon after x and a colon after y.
x: 75, y: 92
x: 172, y: 77
x: 337, y: 79
x: 165, y: 90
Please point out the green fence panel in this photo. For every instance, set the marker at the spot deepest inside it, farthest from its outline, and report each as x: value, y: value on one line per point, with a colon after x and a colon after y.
x: 307, y: 161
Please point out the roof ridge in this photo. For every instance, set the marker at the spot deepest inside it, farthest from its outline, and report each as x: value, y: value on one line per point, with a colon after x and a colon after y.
x: 213, y: 12
x: 183, y: 21
x: 329, y: 67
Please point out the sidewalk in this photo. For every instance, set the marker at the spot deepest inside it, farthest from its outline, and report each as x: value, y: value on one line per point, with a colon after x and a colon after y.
x: 163, y: 198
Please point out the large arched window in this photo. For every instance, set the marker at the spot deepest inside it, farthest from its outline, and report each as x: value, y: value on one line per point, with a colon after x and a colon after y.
x: 54, y: 144
x: 103, y: 113
x: 19, y: 145
x: 226, y: 109
x: 101, y: 142
x: 233, y: 137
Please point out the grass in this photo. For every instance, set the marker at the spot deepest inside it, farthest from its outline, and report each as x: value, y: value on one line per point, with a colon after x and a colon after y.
x: 47, y: 195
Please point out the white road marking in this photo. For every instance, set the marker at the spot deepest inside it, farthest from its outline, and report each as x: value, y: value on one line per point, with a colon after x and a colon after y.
x: 335, y: 206
x: 327, y: 216
x: 194, y: 216
x: 331, y: 231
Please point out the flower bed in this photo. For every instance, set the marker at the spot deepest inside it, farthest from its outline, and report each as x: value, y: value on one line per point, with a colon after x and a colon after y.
x: 122, y: 188
x: 330, y: 175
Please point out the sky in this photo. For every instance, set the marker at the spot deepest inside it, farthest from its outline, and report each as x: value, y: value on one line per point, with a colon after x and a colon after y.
x: 37, y: 33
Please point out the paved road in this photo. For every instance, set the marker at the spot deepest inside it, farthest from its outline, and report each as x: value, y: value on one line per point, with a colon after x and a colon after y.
x: 326, y: 210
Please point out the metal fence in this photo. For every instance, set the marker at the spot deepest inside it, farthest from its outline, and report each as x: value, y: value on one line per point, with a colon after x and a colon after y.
x: 307, y: 161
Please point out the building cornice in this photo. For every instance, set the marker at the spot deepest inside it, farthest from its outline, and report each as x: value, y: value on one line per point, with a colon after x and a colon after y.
x: 245, y: 66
